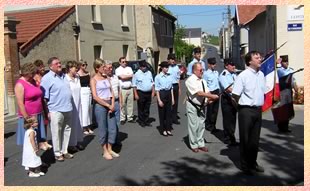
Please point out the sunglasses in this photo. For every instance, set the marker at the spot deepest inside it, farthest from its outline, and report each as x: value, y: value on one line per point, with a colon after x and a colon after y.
x: 84, y: 65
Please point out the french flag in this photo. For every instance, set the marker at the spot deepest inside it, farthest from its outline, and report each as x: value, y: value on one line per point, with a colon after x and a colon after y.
x: 272, y: 87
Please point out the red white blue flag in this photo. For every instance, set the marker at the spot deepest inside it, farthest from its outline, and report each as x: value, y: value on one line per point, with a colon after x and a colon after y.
x: 272, y: 82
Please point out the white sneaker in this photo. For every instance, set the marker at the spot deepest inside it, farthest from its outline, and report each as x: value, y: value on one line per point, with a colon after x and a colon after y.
x: 90, y: 131
x: 114, y: 154
x: 26, y: 168
x: 41, y: 173
x: 33, y: 174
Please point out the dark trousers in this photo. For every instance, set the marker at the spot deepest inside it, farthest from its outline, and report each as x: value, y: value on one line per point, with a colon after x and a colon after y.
x: 164, y: 113
x: 144, y: 103
x: 229, y: 113
x: 250, y: 120
x: 283, y: 126
x: 212, y: 110
x: 176, y: 101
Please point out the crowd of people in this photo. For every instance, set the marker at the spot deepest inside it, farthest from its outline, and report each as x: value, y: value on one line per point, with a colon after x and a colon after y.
x: 70, y: 101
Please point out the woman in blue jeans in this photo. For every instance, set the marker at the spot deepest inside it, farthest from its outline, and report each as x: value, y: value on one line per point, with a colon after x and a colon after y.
x: 104, y: 108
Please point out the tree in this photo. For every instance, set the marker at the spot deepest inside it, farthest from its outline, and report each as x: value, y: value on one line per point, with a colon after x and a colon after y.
x: 182, y: 49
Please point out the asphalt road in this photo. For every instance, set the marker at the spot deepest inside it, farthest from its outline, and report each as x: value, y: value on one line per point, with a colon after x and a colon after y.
x: 148, y: 158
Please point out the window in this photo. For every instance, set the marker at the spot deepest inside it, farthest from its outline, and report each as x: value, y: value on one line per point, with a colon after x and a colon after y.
x: 166, y: 27
x: 95, y: 13
x: 124, y: 21
x: 125, y: 51
x: 97, y: 51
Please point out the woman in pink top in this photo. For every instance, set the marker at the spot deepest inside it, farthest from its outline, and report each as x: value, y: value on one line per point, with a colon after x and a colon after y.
x: 29, y: 101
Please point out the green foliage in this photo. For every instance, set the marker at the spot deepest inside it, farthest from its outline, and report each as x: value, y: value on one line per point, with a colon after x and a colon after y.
x: 182, y: 49
x: 214, y: 40
x: 165, y: 9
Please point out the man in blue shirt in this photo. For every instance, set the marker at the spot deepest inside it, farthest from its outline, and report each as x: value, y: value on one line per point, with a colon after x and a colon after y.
x: 165, y: 98
x: 287, y: 82
x: 197, y: 58
x: 143, y: 85
x: 249, y: 92
x: 229, y: 112
x: 211, y: 76
x: 174, y: 71
x: 57, y: 95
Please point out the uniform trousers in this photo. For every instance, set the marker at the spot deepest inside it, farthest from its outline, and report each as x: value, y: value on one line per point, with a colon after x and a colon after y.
x: 164, y: 112
x: 212, y: 110
x: 229, y: 113
x: 144, y: 103
x: 176, y: 101
x: 250, y: 120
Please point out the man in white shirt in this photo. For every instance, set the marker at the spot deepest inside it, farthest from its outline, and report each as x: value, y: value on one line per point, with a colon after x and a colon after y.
x: 125, y: 74
x: 198, y: 96
x: 249, y: 91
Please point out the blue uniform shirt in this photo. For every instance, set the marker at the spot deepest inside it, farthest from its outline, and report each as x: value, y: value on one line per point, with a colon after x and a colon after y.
x: 57, y: 92
x: 143, y: 81
x: 226, y: 79
x: 163, y: 82
x: 284, y: 72
x: 174, y: 71
x: 212, y: 79
x: 190, y: 66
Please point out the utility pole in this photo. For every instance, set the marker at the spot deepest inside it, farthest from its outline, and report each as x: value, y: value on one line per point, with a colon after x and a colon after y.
x: 223, y: 38
x: 228, y: 31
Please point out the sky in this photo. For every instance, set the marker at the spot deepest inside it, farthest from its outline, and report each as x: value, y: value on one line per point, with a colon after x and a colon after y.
x: 207, y: 17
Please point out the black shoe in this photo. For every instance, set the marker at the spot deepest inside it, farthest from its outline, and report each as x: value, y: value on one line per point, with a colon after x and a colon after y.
x: 214, y: 131
x: 258, y: 168
x: 80, y: 147
x: 148, y: 124
x: 233, y: 143
x: 123, y: 122
x: 142, y: 124
x: 176, y: 122
x: 248, y: 171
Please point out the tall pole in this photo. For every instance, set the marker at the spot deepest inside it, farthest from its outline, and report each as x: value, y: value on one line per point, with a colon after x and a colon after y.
x: 228, y: 30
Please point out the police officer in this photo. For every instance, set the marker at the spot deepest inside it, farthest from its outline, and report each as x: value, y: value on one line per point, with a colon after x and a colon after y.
x: 197, y: 58
x: 287, y: 82
x: 248, y: 91
x: 229, y: 112
x: 165, y: 98
x: 174, y: 71
x: 211, y: 76
x: 143, y: 85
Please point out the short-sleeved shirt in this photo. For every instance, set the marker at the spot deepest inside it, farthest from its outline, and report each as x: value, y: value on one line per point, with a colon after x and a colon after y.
x: 124, y: 71
x: 250, y: 86
x: 174, y: 71
x: 57, y: 92
x: 163, y: 82
x: 190, y: 66
x: 226, y: 79
x: 143, y: 81
x: 193, y: 85
x: 212, y: 79
x: 115, y: 85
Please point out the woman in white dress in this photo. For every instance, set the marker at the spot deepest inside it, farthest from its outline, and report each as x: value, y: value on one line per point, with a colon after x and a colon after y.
x: 86, y: 98
x: 76, y: 137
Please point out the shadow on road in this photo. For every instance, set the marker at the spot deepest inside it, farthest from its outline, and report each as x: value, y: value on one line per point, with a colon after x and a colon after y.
x: 10, y: 134
x: 283, y: 161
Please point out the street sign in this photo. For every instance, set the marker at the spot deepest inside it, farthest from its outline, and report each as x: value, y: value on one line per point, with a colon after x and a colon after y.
x: 294, y: 27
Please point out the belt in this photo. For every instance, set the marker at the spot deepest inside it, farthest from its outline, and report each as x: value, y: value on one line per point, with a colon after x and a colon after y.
x: 126, y: 88
x: 85, y: 86
x: 175, y: 84
x: 165, y: 90
x: 116, y: 99
x: 250, y: 107
x: 144, y: 91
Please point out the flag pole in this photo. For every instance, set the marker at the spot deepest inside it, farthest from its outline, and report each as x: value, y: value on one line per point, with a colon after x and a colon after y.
x: 275, y: 73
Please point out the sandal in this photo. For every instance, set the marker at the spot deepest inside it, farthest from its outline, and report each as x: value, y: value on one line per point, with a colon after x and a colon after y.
x: 107, y: 156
